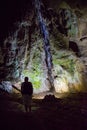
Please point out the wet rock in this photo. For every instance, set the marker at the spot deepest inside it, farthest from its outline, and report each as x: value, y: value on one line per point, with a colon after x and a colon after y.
x: 68, y: 22
x: 6, y: 86
x: 49, y: 98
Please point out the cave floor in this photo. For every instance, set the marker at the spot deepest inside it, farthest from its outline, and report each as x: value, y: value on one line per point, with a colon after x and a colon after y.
x: 66, y: 113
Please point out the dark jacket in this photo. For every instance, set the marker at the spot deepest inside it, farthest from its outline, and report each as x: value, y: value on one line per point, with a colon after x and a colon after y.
x: 27, y: 88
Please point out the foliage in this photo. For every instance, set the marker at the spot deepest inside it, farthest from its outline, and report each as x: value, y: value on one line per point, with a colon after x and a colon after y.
x: 34, y: 76
x: 65, y: 63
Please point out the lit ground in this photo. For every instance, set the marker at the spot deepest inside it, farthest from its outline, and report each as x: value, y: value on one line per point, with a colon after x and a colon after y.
x: 67, y: 112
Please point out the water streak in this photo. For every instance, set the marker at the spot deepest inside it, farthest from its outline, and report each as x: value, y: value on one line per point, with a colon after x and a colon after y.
x: 45, y: 34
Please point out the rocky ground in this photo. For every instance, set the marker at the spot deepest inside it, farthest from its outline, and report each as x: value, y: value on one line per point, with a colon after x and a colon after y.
x: 50, y: 113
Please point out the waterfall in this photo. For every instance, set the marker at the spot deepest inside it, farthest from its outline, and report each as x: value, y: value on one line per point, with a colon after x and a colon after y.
x: 46, y: 43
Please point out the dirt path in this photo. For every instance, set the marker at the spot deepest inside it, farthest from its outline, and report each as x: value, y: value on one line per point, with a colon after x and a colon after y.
x: 47, y: 114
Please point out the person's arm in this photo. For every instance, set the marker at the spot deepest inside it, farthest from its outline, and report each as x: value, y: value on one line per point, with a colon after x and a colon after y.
x: 32, y: 88
x: 22, y: 88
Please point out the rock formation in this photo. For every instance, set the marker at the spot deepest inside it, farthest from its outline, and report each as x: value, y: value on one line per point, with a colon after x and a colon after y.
x: 22, y: 52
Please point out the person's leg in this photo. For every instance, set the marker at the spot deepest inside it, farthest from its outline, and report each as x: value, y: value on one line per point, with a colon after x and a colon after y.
x: 25, y: 103
x: 30, y: 101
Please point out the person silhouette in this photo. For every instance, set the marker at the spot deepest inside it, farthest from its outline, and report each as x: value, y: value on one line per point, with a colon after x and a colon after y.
x: 27, y: 92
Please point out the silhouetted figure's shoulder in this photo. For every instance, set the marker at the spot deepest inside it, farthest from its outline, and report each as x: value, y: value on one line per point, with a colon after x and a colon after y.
x: 29, y: 83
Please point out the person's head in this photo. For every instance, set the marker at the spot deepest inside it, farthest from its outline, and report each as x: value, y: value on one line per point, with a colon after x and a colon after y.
x: 26, y: 79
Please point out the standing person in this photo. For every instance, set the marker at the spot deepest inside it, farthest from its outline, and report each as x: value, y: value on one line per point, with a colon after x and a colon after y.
x: 27, y: 91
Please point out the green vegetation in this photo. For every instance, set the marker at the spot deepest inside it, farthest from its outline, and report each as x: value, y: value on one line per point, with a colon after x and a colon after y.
x: 65, y: 63
x: 34, y: 76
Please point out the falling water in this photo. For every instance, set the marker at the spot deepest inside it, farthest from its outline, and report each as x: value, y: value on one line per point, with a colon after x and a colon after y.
x: 45, y: 34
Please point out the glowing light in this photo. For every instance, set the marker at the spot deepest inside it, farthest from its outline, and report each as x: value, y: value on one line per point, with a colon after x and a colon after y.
x: 60, y: 86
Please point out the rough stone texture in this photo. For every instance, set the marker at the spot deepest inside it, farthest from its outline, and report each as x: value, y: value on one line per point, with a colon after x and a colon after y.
x: 22, y: 51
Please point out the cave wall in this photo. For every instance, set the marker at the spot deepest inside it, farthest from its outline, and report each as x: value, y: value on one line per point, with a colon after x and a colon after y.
x: 22, y: 54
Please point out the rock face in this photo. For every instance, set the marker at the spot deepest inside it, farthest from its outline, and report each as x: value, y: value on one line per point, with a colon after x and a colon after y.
x: 74, y: 47
x: 68, y: 22
x: 22, y: 53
